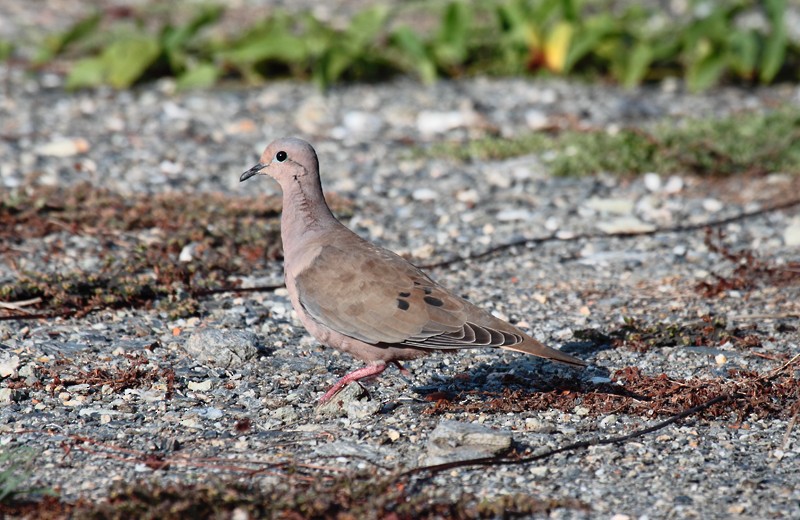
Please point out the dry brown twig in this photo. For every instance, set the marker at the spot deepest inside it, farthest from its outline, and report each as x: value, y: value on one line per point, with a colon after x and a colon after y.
x: 19, y: 306
x: 681, y: 228
x: 502, y: 461
x: 777, y: 371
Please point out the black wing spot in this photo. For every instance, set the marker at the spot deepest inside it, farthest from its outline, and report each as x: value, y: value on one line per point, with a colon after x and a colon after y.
x: 402, y: 304
x: 404, y: 294
x: 436, y: 302
x: 427, y: 290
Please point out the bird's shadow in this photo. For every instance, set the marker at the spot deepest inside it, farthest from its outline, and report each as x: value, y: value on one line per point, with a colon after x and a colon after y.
x: 522, y: 376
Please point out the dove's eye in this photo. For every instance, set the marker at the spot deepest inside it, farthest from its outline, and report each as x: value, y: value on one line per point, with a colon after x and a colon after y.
x: 281, y: 156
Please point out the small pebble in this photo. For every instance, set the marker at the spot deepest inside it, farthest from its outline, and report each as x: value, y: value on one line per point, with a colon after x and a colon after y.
x: 424, y: 194
x: 712, y: 205
x: 64, y: 147
x: 652, y: 181
x: 202, y: 386
x: 673, y: 185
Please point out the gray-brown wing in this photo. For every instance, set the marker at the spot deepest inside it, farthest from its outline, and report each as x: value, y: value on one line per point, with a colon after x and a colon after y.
x: 371, y: 294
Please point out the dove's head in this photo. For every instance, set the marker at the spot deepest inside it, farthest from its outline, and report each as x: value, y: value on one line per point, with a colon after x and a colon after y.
x: 286, y: 159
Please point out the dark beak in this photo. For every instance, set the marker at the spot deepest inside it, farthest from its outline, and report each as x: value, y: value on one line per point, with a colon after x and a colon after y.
x: 255, y: 170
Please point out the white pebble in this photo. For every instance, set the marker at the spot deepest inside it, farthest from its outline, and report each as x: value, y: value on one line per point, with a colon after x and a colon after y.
x: 539, y: 471
x: 429, y: 122
x: 652, y: 181
x: 673, y: 185
x: 791, y: 235
x: 202, y: 386
x: 423, y: 252
x: 625, y: 225
x: 607, y: 420
x: 469, y: 196
x: 712, y: 205
x: 536, y: 119
x: 170, y: 167
x: 63, y: 147
x: 508, y: 215
x: 9, y: 366
x: 361, y: 123
x: 424, y: 194
x: 613, y: 206
x: 551, y: 224
x: 187, y: 253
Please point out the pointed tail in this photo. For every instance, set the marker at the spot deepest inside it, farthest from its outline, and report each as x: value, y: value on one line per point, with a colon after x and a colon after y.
x: 533, y: 347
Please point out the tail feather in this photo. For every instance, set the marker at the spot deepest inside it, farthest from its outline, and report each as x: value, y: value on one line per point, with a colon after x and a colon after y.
x: 533, y: 347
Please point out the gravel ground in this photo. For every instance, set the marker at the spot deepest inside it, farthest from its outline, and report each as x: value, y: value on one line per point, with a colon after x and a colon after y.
x: 246, y: 358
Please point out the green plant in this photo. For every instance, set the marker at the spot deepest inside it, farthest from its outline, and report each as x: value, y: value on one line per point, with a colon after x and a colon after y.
x: 130, y: 51
x: 272, y: 41
x: 354, y: 50
x: 6, y: 50
x: 776, y: 41
x: 634, y: 44
x: 56, y: 44
x: 743, y: 143
x: 446, y: 52
x: 303, y: 46
x: 538, y: 34
x: 17, y: 463
x: 703, y: 49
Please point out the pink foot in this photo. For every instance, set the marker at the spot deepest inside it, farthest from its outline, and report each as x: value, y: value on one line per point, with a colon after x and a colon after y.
x: 361, y: 373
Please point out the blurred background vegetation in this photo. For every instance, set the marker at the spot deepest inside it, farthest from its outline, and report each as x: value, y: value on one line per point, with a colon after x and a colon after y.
x: 704, y: 42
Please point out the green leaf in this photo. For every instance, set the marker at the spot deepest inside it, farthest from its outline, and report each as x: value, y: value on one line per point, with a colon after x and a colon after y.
x: 126, y: 60
x: 705, y: 72
x: 776, y: 10
x: 519, y: 37
x: 331, y: 66
x: 17, y: 464
x: 179, y: 37
x: 544, y: 11
x: 571, y: 10
x: 637, y: 65
x: 743, y: 52
x: 336, y: 52
x: 415, y: 54
x: 587, y: 39
x: 200, y: 76
x: 6, y: 50
x: 365, y: 26
x: 450, y: 45
x: 88, y: 72
x: 508, y: 17
x: 270, y: 40
x: 317, y: 37
x: 665, y: 48
x: 520, y: 27
x: 774, y: 52
x: 56, y: 44
x: 178, y: 60
x: 455, y: 23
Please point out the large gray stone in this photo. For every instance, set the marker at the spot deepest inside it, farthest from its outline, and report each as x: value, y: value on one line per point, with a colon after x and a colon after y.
x: 452, y: 441
x: 8, y: 365
x: 11, y: 395
x: 223, y: 348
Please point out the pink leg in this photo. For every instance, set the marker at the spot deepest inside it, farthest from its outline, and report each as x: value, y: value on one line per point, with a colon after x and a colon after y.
x: 361, y: 373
